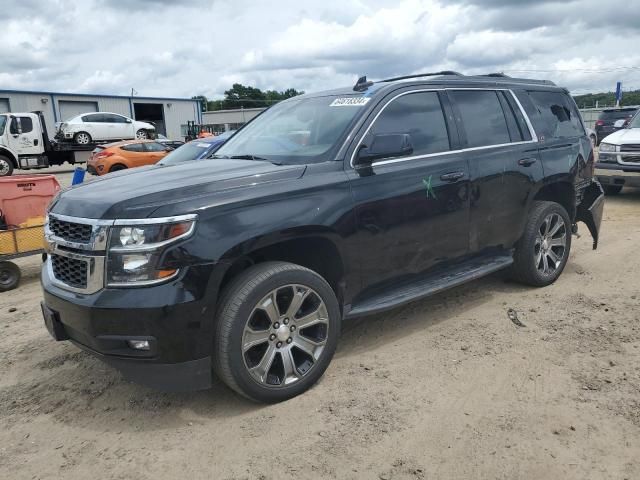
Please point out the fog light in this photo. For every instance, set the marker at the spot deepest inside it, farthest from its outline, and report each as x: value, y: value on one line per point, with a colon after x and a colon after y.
x: 139, y: 344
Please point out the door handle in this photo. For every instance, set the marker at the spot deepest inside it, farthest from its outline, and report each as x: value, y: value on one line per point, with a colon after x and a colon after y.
x: 526, y: 162
x: 452, y: 177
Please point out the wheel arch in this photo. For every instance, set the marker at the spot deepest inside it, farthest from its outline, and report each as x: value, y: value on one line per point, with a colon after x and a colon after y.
x: 562, y: 192
x: 6, y: 152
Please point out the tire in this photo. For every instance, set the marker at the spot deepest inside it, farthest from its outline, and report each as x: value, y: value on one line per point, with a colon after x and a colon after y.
x: 243, y: 319
x: 6, y: 166
x: 142, y: 134
x: 9, y: 276
x: 117, y: 167
x: 612, y: 189
x: 82, y: 138
x: 533, y: 265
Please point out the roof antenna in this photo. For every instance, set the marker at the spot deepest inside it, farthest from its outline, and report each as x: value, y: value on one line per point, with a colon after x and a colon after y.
x: 362, y: 84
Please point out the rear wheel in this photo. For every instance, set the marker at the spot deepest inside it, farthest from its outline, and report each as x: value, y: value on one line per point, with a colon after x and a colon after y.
x: 9, y: 276
x: 6, y: 166
x: 82, y: 138
x: 277, y: 330
x: 612, y: 189
x: 543, y: 250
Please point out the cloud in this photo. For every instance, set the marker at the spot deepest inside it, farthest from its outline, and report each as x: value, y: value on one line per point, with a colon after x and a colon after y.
x: 185, y: 48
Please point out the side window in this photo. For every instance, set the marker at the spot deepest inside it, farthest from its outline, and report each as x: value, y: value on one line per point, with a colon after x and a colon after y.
x: 482, y: 117
x: 420, y: 115
x: 94, y: 117
x: 558, y: 116
x: 154, y: 147
x: 26, y: 124
x: 134, y: 147
x: 112, y: 118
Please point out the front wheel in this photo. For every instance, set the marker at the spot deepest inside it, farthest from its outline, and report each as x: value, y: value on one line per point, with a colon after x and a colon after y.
x: 142, y: 134
x: 277, y: 329
x: 6, y: 166
x: 82, y: 138
x: 543, y: 249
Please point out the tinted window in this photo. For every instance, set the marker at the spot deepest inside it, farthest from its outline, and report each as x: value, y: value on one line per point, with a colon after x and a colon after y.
x: 559, y: 117
x: 94, y: 117
x: 111, y: 118
x: 26, y: 124
x: 420, y: 115
x: 482, y: 116
x: 154, y: 147
x: 616, y: 115
x: 134, y: 147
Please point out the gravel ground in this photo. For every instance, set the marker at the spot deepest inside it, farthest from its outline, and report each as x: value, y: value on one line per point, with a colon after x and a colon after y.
x: 448, y: 387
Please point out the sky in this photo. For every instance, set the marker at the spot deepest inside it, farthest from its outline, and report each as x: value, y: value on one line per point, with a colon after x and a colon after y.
x: 181, y: 48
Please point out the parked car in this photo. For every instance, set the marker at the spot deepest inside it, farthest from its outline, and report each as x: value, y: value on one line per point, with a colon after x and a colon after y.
x: 92, y: 127
x: 619, y: 158
x: 169, y: 143
x: 197, y: 149
x: 248, y: 262
x: 127, y: 154
x: 605, y: 125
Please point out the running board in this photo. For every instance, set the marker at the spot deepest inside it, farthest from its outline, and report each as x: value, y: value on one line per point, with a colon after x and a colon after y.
x: 430, y: 284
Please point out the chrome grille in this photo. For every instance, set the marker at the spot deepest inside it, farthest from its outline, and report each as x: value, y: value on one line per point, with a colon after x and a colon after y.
x: 630, y: 148
x: 70, y: 271
x: 72, y: 232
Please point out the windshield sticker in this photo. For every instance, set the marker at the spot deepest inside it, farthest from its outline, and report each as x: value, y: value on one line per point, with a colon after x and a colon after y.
x: 350, y: 102
x: 202, y: 145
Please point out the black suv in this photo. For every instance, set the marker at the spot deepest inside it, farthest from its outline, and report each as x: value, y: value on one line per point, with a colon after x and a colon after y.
x: 605, y: 125
x: 325, y: 207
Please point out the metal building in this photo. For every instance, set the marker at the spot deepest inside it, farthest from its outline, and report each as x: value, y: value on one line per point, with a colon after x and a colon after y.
x: 223, y: 120
x: 170, y: 115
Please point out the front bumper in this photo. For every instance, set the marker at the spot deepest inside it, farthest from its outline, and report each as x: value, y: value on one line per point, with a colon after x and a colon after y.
x: 618, y: 175
x: 177, y: 325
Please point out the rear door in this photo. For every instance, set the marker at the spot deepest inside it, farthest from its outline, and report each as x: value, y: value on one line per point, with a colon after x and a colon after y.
x: 503, y: 166
x: 93, y: 124
x: 411, y: 212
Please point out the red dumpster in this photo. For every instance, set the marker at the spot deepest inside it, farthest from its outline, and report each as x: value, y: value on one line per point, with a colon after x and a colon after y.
x: 26, y: 197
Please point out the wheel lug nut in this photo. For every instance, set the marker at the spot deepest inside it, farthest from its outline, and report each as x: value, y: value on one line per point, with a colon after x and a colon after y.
x: 276, y: 325
x: 279, y: 344
x: 289, y: 340
x: 285, y: 321
x: 292, y: 328
x: 272, y: 336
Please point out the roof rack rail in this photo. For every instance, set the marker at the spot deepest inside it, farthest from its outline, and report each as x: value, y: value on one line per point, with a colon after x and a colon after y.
x: 362, y: 84
x: 430, y: 74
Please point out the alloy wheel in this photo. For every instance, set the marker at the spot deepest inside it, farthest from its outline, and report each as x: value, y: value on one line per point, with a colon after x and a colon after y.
x: 82, y: 138
x: 285, y: 335
x: 141, y: 135
x: 550, y: 244
x: 4, y: 167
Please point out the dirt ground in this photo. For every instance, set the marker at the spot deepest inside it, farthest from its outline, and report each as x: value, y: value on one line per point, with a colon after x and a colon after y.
x: 448, y: 387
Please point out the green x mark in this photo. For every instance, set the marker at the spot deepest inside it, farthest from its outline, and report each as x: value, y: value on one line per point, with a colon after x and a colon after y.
x: 429, y: 188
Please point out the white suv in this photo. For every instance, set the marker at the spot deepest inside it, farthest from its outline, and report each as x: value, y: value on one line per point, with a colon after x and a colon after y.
x: 91, y: 127
x: 619, y: 157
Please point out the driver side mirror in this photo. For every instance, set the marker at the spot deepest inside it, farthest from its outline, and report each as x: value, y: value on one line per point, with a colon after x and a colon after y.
x: 385, y: 146
x: 619, y: 123
x: 128, y: 120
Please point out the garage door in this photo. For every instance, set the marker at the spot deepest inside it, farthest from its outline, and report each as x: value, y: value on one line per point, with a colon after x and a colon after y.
x: 4, y: 105
x: 70, y: 108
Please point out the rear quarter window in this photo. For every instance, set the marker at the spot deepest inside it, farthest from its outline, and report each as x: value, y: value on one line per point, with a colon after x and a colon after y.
x: 134, y: 147
x: 557, y: 115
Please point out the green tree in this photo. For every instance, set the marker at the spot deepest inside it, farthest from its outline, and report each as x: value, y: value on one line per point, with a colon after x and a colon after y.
x: 607, y: 99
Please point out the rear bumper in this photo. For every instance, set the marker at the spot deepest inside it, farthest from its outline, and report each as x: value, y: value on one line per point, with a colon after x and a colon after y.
x: 590, y: 210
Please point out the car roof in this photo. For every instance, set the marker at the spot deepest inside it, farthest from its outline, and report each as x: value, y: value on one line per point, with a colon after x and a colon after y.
x: 434, y: 80
x: 122, y: 143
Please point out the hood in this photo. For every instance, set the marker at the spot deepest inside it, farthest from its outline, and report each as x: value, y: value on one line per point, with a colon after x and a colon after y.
x: 137, y: 192
x: 624, y: 136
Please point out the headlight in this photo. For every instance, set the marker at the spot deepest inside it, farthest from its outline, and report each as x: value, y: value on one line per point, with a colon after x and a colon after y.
x: 135, y: 251
x: 607, y: 148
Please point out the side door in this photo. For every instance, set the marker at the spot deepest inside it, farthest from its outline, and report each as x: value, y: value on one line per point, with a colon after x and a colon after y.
x: 93, y: 125
x: 25, y: 135
x: 135, y: 155
x: 412, y: 212
x: 503, y: 166
x: 155, y: 152
x: 113, y: 126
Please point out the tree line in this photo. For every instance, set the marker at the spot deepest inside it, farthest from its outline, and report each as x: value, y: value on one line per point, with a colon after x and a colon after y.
x: 607, y: 99
x: 241, y: 96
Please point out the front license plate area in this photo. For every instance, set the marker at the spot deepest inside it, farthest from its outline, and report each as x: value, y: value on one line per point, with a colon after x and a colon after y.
x: 53, y: 323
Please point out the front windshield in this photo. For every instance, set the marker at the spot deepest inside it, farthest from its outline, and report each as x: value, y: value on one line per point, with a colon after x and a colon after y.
x: 3, y: 122
x: 296, y: 131
x: 189, y: 151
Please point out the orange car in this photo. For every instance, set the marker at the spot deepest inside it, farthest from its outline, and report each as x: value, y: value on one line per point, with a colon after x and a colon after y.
x: 128, y: 154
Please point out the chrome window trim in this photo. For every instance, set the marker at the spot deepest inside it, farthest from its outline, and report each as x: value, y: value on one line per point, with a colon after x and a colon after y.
x: 534, y: 137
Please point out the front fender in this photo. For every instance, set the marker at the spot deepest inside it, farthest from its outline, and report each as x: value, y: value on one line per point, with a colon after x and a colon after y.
x: 590, y: 210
